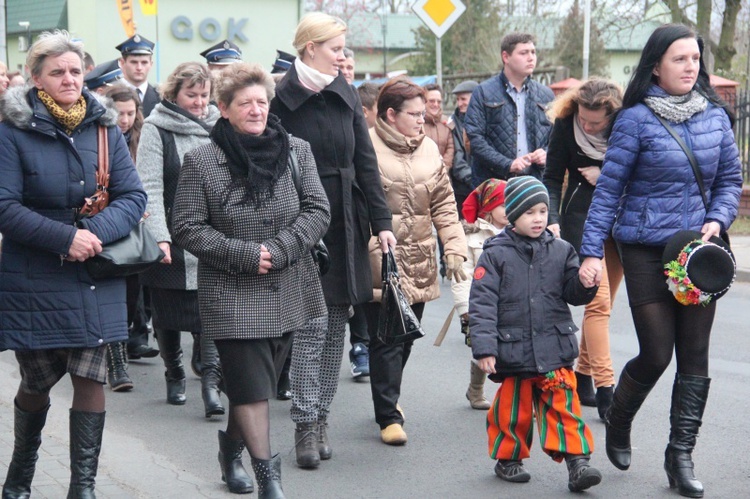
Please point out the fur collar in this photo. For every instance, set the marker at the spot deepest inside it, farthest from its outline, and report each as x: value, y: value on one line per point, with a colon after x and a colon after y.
x: 16, y: 108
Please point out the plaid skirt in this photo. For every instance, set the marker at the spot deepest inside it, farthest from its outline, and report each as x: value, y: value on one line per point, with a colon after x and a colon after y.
x: 42, y: 369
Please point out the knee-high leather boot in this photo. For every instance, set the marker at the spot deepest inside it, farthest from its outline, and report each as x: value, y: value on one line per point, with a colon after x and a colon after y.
x: 689, y: 395
x: 86, y: 430
x: 628, y: 398
x: 210, y: 378
x: 171, y: 353
x: 475, y: 393
x: 27, y: 431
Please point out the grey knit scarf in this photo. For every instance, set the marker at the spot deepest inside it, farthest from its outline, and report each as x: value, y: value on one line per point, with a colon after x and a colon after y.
x: 677, y: 108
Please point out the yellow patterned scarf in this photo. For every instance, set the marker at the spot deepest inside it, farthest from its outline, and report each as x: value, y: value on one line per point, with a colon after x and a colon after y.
x: 68, y: 119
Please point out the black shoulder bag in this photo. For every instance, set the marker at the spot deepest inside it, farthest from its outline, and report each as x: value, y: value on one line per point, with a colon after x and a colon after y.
x: 694, y: 164
x: 319, y: 252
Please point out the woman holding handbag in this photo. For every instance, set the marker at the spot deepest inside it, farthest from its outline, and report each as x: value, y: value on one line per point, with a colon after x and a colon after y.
x: 56, y: 316
x: 179, y: 123
x: 647, y: 192
x: 419, y: 193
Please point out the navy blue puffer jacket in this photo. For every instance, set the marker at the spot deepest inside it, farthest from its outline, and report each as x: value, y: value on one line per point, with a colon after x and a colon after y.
x: 46, y: 302
x: 647, y: 190
x: 492, y: 127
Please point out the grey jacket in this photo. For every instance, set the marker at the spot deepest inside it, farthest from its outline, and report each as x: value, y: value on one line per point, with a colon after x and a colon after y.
x: 159, y: 165
x: 235, y: 301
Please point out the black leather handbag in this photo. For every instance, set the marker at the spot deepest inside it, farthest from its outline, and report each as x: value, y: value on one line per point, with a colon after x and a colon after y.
x: 397, y: 322
x: 130, y: 255
x: 319, y: 252
x: 133, y: 253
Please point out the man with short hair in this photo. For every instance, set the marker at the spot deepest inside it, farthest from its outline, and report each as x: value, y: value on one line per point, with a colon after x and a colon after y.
x: 136, y: 62
x: 88, y: 63
x: 347, y: 67
x: 368, y: 94
x: 434, y: 124
x: 506, y: 121
x: 461, y: 171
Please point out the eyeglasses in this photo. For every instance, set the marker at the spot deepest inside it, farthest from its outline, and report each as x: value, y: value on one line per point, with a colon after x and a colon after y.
x: 415, y: 115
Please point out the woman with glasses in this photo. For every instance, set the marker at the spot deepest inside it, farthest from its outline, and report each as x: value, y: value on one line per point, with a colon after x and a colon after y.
x: 419, y: 194
x: 316, y: 104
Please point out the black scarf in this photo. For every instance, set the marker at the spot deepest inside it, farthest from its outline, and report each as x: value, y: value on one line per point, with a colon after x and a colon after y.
x: 255, y: 161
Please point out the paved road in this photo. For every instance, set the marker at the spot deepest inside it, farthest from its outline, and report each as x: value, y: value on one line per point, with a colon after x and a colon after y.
x: 155, y: 450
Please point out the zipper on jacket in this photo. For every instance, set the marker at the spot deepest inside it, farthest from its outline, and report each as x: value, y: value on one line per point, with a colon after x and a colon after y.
x: 575, y: 191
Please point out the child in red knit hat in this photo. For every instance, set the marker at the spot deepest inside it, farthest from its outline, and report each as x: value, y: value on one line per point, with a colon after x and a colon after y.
x: 484, y: 212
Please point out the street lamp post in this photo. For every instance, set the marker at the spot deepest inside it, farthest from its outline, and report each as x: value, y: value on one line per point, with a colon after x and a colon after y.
x: 27, y: 26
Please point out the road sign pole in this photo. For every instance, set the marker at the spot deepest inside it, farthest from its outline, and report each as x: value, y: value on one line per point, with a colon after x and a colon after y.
x: 439, y: 60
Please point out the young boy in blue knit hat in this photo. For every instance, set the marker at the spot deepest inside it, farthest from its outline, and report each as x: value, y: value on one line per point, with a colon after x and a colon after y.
x: 523, y: 336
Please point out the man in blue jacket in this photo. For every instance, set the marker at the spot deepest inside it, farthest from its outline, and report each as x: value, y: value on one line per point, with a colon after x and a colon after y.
x: 506, y: 121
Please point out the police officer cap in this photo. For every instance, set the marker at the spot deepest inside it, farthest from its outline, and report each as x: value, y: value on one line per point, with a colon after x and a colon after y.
x: 465, y: 87
x: 283, y: 62
x: 224, y: 52
x: 103, y: 74
x: 136, y: 45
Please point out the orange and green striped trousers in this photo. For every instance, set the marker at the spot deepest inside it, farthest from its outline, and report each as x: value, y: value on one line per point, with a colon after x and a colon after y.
x: 561, y: 428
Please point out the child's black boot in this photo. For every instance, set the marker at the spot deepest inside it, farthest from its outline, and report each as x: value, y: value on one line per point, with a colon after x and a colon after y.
x: 512, y: 470
x: 581, y: 475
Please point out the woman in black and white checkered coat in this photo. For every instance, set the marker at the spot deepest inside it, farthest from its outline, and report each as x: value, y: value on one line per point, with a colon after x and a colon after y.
x: 238, y: 210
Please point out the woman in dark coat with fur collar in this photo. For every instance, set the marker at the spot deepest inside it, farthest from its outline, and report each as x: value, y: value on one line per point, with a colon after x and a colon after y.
x: 56, y: 317
x: 316, y: 104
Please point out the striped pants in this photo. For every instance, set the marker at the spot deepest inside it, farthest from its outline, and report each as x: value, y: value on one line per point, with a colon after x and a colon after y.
x: 561, y: 428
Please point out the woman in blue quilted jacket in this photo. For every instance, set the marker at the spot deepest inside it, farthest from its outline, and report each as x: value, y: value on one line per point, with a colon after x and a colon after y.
x: 647, y: 192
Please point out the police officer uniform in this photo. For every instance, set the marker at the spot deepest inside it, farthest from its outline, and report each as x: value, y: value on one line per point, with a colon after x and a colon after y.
x: 102, y: 76
x: 138, y: 45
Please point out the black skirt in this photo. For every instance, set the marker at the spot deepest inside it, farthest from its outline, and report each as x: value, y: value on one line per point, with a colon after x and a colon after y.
x: 251, y: 368
x: 644, y: 274
x: 175, y: 309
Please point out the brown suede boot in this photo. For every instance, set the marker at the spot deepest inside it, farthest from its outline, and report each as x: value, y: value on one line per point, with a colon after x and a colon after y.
x: 475, y: 393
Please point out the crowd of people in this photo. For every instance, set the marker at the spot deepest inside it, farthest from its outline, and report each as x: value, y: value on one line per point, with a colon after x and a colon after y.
x: 242, y: 175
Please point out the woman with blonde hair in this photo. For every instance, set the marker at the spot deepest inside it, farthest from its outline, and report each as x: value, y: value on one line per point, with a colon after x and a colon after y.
x: 582, y: 117
x: 181, y: 122
x: 315, y: 103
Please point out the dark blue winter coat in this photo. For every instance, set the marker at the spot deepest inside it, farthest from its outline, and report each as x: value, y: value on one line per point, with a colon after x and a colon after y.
x: 518, y: 307
x: 46, y: 302
x: 647, y: 190
x: 492, y: 127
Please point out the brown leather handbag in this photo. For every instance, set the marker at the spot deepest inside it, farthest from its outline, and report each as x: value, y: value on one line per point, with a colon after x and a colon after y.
x: 100, y: 199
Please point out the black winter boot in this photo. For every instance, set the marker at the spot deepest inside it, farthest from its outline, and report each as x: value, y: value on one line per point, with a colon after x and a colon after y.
x: 581, y: 475
x: 171, y: 354
x: 627, y: 400
x: 604, y: 395
x: 230, y: 462
x: 689, y: 395
x: 117, y: 368
x: 306, y: 445
x: 27, y: 430
x: 210, y: 378
x: 268, y: 475
x: 86, y: 430
x: 196, y: 363
x: 585, y: 389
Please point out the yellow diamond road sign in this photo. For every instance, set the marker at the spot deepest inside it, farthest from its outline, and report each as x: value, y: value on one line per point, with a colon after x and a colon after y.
x: 438, y: 15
